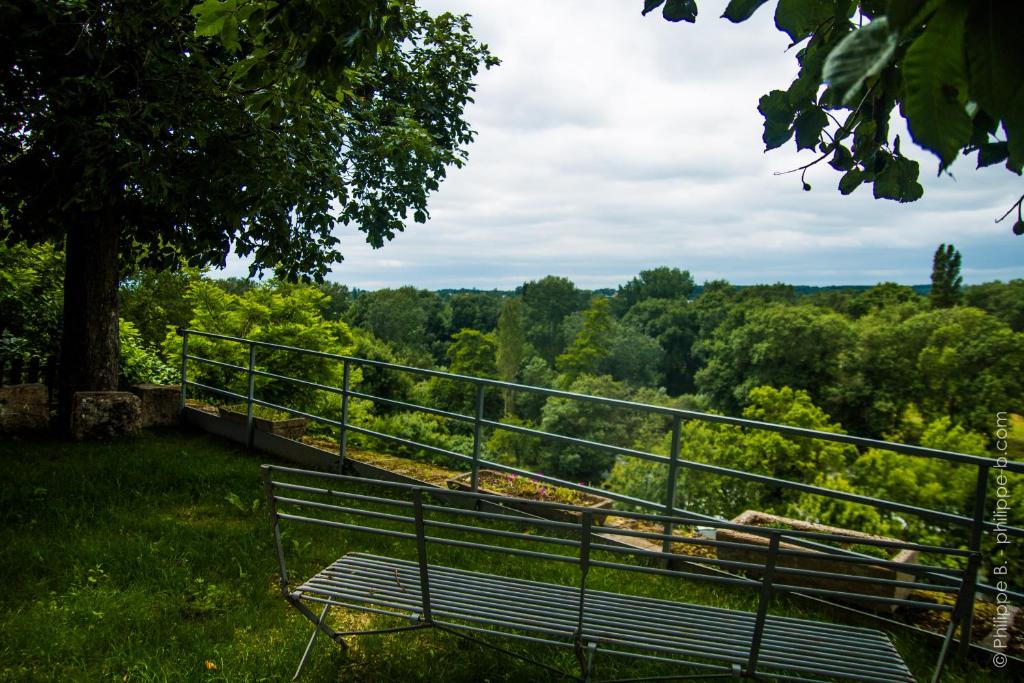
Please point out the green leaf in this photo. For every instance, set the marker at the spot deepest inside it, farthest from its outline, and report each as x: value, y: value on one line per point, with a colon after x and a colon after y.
x: 861, y: 55
x: 851, y: 181
x: 1013, y: 124
x: 680, y: 10
x: 211, y: 15
x: 898, y: 181
x: 910, y: 13
x: 741, y: 10
x: 809, y: 125
x: 778, y: 118
x: 800, y: 18
x: 995, y: 61
x: 992, y: 153
x: 842, y: 160
x: 865, y: 140
x: 651, y: 5
x: 935, y: 76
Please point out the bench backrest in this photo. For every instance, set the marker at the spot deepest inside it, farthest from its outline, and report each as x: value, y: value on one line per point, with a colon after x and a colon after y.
x: 769, y: 560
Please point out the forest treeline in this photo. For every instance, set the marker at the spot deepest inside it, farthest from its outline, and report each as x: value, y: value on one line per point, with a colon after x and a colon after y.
x: 884, y: 362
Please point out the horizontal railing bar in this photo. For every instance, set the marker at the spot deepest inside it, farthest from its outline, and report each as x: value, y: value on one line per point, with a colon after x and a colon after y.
x: 519, y: 519
x: 300, y: 413
x: 759, y: 566
x: 567, y: 542
x: 301, y: 382
x: 301, y: 502
x: 571, y: 559
x: 661, y: 555
x: 838, y: 553
x: 728, y: 580
x: 411, y: 406
x: 407, y: 442
x: 215, y: 390
x: 340, y: 494
x: 219, y: 364
x: 786, y: 588
x: 907, y: 449
x: 343, y: 525
x: 497, y: 516
x: 621, y: 497
x: 596, y: 445
x: 873, y: 580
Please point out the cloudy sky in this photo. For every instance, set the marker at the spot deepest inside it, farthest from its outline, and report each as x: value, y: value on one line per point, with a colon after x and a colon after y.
x: 609, y: 143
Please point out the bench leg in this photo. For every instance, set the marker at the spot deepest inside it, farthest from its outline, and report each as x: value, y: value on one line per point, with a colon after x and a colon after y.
x: 591, y: 649
x: 312, y: 639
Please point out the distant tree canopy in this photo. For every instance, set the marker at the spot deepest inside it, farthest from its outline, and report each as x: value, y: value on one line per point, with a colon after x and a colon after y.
x: 141, y: 133
x: 954, y: 69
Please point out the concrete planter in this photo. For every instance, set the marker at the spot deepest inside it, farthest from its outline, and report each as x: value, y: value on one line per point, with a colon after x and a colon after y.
x: 463, y: 482
x: 762, y: 519
x: 289, y: 428
x: 161, y: 404
x: 24, y: 407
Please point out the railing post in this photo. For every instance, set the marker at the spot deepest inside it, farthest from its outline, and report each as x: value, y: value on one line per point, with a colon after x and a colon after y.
x: 670, y: 492
x: 184, y: 367
x: 977, y: 527
x: 421, y: 553
x: 343, y: 430
x: 477, y: 425
x: 250, y: 430
x: 762, y: 604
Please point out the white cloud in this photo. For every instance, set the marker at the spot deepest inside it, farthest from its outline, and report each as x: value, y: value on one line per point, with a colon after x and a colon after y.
x: 610, y: 142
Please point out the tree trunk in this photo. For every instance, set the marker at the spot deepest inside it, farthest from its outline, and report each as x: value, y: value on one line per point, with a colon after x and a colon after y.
x: 90, y: 345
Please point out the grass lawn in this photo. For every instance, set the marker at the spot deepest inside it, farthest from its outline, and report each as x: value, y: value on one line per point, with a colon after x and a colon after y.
x: 150, y: 559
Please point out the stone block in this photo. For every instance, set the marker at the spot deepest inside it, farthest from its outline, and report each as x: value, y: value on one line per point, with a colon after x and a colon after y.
x: 98, y: 414
x: 161, y: 404
x: 24, y: 407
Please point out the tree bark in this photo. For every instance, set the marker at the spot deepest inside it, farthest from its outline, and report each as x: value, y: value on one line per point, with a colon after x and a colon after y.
x: 90, y: 345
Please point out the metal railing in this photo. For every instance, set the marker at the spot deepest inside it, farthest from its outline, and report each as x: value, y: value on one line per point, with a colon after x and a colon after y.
x: 975, y: 524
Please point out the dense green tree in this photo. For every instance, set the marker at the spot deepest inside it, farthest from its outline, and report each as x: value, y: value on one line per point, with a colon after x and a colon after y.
x: 511, y: 338
x: 674, y: 324
x: 277, y: 312
x: 952, y: 67
x: 31, y: 290
x: 774, y: 345
x: 959, y: 363
x: 140, y: 133
x: 340, y: 299
x: 657, y: 283
x: 877, y: 377
x: 946, y: 279
x: 970, y: 367
x: 378, y: 381
x: 413, y: 321
x: 585, y: 420
x: 140, y: 363
x: 547, y: 302
x: 236, y: 285
x: 475, y: 311
x: 1004, y: 300
x: 591, y: 345
x: 882, y: 295
x: 535, y: 373
x: 154, y: 300
x: 763, y: 452
x: 473, y: 353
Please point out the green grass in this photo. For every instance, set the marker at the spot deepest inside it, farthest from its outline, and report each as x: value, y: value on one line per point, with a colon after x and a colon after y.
x: 146, y: 558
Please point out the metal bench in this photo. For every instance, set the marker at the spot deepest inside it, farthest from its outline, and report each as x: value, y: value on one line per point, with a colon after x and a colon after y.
x: 711, y: 641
